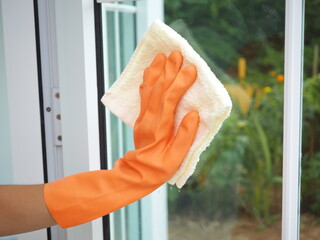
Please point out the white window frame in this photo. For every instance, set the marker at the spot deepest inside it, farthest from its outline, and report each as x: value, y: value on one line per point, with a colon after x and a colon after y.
x: 292, y: 130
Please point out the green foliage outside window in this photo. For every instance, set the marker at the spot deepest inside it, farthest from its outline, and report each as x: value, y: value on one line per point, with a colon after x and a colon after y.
x: 241, y: 172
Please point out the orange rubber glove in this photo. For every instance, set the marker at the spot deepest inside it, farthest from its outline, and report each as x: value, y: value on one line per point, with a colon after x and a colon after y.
x: 86, y: 196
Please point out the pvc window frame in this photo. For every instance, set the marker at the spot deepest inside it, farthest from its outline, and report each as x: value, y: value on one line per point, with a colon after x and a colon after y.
x: 292, y: 123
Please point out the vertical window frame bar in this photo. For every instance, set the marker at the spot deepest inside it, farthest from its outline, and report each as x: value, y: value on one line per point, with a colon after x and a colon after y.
x: 294, y: 23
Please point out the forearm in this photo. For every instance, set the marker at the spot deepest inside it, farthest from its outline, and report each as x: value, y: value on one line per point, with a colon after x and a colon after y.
x: 83, y: 197
x: 22, y: 209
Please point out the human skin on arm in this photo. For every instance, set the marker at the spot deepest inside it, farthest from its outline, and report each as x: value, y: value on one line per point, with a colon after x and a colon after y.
x: 23, y: 209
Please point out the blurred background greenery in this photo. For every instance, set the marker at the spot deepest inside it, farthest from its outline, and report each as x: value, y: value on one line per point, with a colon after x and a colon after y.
x: 241, y: 172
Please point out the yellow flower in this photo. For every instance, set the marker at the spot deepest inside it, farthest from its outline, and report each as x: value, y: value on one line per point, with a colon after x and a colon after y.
x: 267, y: 89
x: 272, y: 74
x: 280, y: 78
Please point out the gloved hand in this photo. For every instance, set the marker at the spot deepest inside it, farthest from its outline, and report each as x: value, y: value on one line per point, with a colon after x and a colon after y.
x: 86, y: 196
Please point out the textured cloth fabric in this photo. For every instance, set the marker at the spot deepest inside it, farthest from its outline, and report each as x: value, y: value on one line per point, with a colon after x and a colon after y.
x: 207, y: 95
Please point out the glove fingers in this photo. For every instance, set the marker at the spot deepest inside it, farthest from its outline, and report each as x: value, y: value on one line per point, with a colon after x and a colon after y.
x: 150, y: 77
x: 152, y: 73
x: 172, y: 68
x: 185, y: 136
x: 155, y: 69
x: 185, y: 78
x: 167, y: 77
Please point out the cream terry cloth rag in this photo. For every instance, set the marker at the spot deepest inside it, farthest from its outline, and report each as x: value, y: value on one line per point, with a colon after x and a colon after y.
x: 207, y: 95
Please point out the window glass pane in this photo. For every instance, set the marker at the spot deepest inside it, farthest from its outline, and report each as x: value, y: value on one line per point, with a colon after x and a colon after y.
x: 235, y: 192
x: 132, y: 3
x: 111, y: 46
x: 112, y: 75
x: 310, y: 178
x: 127, y: 37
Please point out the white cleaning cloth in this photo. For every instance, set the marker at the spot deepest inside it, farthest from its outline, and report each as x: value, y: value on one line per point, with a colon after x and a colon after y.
x: 207, y: 95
